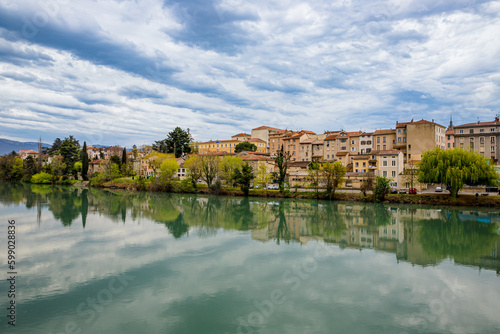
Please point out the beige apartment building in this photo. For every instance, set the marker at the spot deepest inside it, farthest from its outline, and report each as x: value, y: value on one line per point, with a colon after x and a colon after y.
x: 264, y: 133
x: 390, y: 165
x: 329, y: 146
x: 365, y: 142
x: 384, y: 140
x: 415, y: 137
x: 275, y: 141
x: 480, y: 137
x: 292, y: 140
x: 311, y: 149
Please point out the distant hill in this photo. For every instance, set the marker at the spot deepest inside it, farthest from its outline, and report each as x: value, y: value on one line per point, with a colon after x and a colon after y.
x: 7, y: 146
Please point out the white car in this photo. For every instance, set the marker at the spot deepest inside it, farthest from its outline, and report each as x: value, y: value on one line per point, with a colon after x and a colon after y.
x: 439, y: 190
x: 273, y: 187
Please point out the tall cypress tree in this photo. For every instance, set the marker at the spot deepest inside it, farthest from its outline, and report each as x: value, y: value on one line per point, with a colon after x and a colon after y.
x: 124, y: 156
x: 85, y: 161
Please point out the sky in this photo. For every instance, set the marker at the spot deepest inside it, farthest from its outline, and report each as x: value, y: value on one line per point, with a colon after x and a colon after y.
x: 129, y: 72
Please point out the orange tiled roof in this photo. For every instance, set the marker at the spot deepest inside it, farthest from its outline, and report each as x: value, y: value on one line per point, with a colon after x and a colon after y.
x: 450, y: 132
x: 354, y: 134
x: 267, y: 127
x: 331, y: 137
x: 384, y: 132
x: 242, y: 135
x: 478, y: 123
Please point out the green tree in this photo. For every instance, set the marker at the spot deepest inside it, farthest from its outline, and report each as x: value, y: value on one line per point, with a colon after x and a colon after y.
x: 314, y: 175
x: 367, y: 183
x: 124, y: 156
x: 245, y: 146
x: 193, y: 166
x: 78, y: 166
x: 30, y: 168
x: 228, y: 165
x: 69, y: 152
x: 282, y: 160
x: 135, y: 152
x: 169, y: 168
x: 17, y: 169
x: 263, y: 177
x: 84, y: 156
x: 177, y: 142
x: 381, y: 188
x: 57, y: 166
x: 455, y: 168
x: 54, y: 149
x: 209, y: 166
x: 6, y: 164
x: 115, y: 160
x: 243, y: 178
x: 115, y: 171
x: 334, y: 176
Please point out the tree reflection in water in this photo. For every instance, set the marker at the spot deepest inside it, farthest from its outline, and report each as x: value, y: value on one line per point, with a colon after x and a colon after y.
x: 419, y: 235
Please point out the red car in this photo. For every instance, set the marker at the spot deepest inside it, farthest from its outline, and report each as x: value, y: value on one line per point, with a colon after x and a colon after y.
x: 412, y: 191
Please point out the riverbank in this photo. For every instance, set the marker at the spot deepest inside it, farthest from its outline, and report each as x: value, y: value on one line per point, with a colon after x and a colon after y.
x: 423, y: 199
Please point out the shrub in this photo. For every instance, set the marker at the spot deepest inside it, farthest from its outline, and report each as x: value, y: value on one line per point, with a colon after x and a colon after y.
x: 98, y: 179
x: 42, y: 178
x: 381, y: 188
x: 140, y: 183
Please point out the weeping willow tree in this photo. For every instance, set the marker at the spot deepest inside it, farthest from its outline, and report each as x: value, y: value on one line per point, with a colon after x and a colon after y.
x: 455, y: 168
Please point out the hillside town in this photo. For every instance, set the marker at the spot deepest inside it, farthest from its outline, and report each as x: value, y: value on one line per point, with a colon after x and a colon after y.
x: 391, y: 153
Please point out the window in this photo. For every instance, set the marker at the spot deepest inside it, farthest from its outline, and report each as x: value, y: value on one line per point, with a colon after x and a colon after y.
x: 481, y: 130
x: 492, y: 130
x: 461, y: 131
x: 481, y: 140
x: 404, y: 140
x: 342, y: 148
x: 393, y: 163
x: 378, y: 139
x: 384, y: 163
x: 384, y: 173
x: 384, y: 147
x: 383, y: 140
x: 448, y: 145
x: 492, y: 140
x: 399, y: 139
x: 357, y: 164
x: 399, y: 130
x: 343, y: 140
x: 353, y: 142
x: 493, y: 149
x: 393, y: 173
x: 449, y: 137
x: 352, y: 149
x: 364, y: 164
x: 471, y: 130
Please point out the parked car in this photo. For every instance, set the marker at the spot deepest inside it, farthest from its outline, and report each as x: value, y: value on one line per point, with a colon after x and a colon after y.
x: 439, y: 190
x: 394, y: 190
x: 273, y: 186
x: 402, y: 191
x: 412, y: 191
